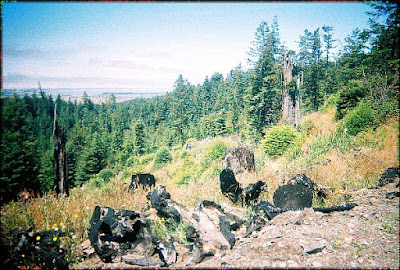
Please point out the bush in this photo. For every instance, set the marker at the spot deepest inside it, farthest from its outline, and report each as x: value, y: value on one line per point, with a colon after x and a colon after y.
x: 163, y: 156
x: 349, y: 97
x: 132, y: 161
x: 215, y: 151
x: 359, y: 119
x: 306, y: 127
x: 106, y: 175
x: 96, y: 182
x: 145, y: 159
x: 278, y: 139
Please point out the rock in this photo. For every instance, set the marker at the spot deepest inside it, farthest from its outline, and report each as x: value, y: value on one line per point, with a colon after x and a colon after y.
x: 389, y: 176
x: 239, y: 158
x: 197, y: 254
x: 142, y: 179
x: 227, y: 213
x: 207, y: 230
x: 392, y: 194
x: 127, y: 234
x: 160, y: 200
x: 233, y: 190
x: 254, y: 223
x: 301, y: 179
x: 267, y: 209
x: 167, y: 250
x: 141, y: 260
x: 87, y: 249
x: 229, y: 186
x: 313, y: 246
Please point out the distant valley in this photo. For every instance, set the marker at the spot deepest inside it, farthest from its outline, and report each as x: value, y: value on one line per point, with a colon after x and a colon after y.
x: 97, y: 95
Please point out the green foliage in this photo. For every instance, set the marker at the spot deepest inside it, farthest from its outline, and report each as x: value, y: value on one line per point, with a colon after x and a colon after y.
x: 306, y: 127
x: 131, y: 161
x: 359, y: 118
x: 17, y: 149
x: 184, y: 170
x: 96, y: 182
x: 331, y: 101
x: 163, y: 156
x: 349, y: 97
x: 162, y: 227
x: 139, y: 138
x: 106, y: 174
x: 245, y: 102
x: 215, y: 151
x: 146, y: 159
x: 277, y: 139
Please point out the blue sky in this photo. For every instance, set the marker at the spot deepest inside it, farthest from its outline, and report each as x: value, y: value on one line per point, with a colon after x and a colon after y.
x: 147, y: 45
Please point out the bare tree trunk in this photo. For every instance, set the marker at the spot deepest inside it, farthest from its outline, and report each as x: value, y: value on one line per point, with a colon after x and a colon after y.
x: 60, y: 159
x: 290, y: 101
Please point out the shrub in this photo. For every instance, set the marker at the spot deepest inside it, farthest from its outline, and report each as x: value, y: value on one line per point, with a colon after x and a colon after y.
x: 349, y: 97
x: 146, y: 159
x: 183, y: 170
x: 106, y: 175
x: 359, y: 118
x: 215, y: 151
x: 277, y: 139
x: 306, y: 127
x: 131, y: 161
x: 96, y: 182
x: 163, y: 156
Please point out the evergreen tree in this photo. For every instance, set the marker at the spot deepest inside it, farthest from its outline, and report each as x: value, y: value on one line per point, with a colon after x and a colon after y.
x: 17, y: 149
x: 139, y: 139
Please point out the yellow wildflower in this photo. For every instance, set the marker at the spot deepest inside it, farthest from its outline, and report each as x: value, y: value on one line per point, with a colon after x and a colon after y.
x: 23, y: 255
x: 55, y: 238
x: 37, y: 238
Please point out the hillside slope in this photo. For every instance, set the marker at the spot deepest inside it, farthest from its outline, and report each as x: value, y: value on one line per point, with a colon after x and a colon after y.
x: 366, y: 236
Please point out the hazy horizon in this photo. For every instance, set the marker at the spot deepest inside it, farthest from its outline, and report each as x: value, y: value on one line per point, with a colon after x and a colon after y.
x: 148, y: 45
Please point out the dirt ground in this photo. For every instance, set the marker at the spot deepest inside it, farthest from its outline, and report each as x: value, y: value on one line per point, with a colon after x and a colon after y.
x: 365, y: 237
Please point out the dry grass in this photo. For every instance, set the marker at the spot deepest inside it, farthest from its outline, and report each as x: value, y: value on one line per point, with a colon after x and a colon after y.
x: 347, y: 166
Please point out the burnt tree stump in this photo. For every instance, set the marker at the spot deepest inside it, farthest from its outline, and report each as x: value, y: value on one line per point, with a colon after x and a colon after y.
x: 293, y: 196
x: 239, y: 158
x: 60, y: 159
x: 229, y: 186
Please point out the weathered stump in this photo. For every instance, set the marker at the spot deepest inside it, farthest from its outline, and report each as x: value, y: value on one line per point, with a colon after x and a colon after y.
x: 239, y: 158
x: 233, y: 190
x: 293, y: 196
x: 253, y: 191
x: 142, y: 179
x: 127, y: 234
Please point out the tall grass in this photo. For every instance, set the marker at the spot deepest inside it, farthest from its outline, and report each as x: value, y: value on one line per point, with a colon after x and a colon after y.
x: 339, y: 161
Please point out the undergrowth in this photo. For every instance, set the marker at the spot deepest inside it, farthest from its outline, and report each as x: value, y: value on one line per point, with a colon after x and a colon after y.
x: 332, y: 158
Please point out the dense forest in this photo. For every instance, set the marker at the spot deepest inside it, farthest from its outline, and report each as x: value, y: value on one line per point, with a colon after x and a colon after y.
x: 362, y: 81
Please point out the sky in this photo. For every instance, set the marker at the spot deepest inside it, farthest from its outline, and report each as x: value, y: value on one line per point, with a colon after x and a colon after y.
x: 148, y: 45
